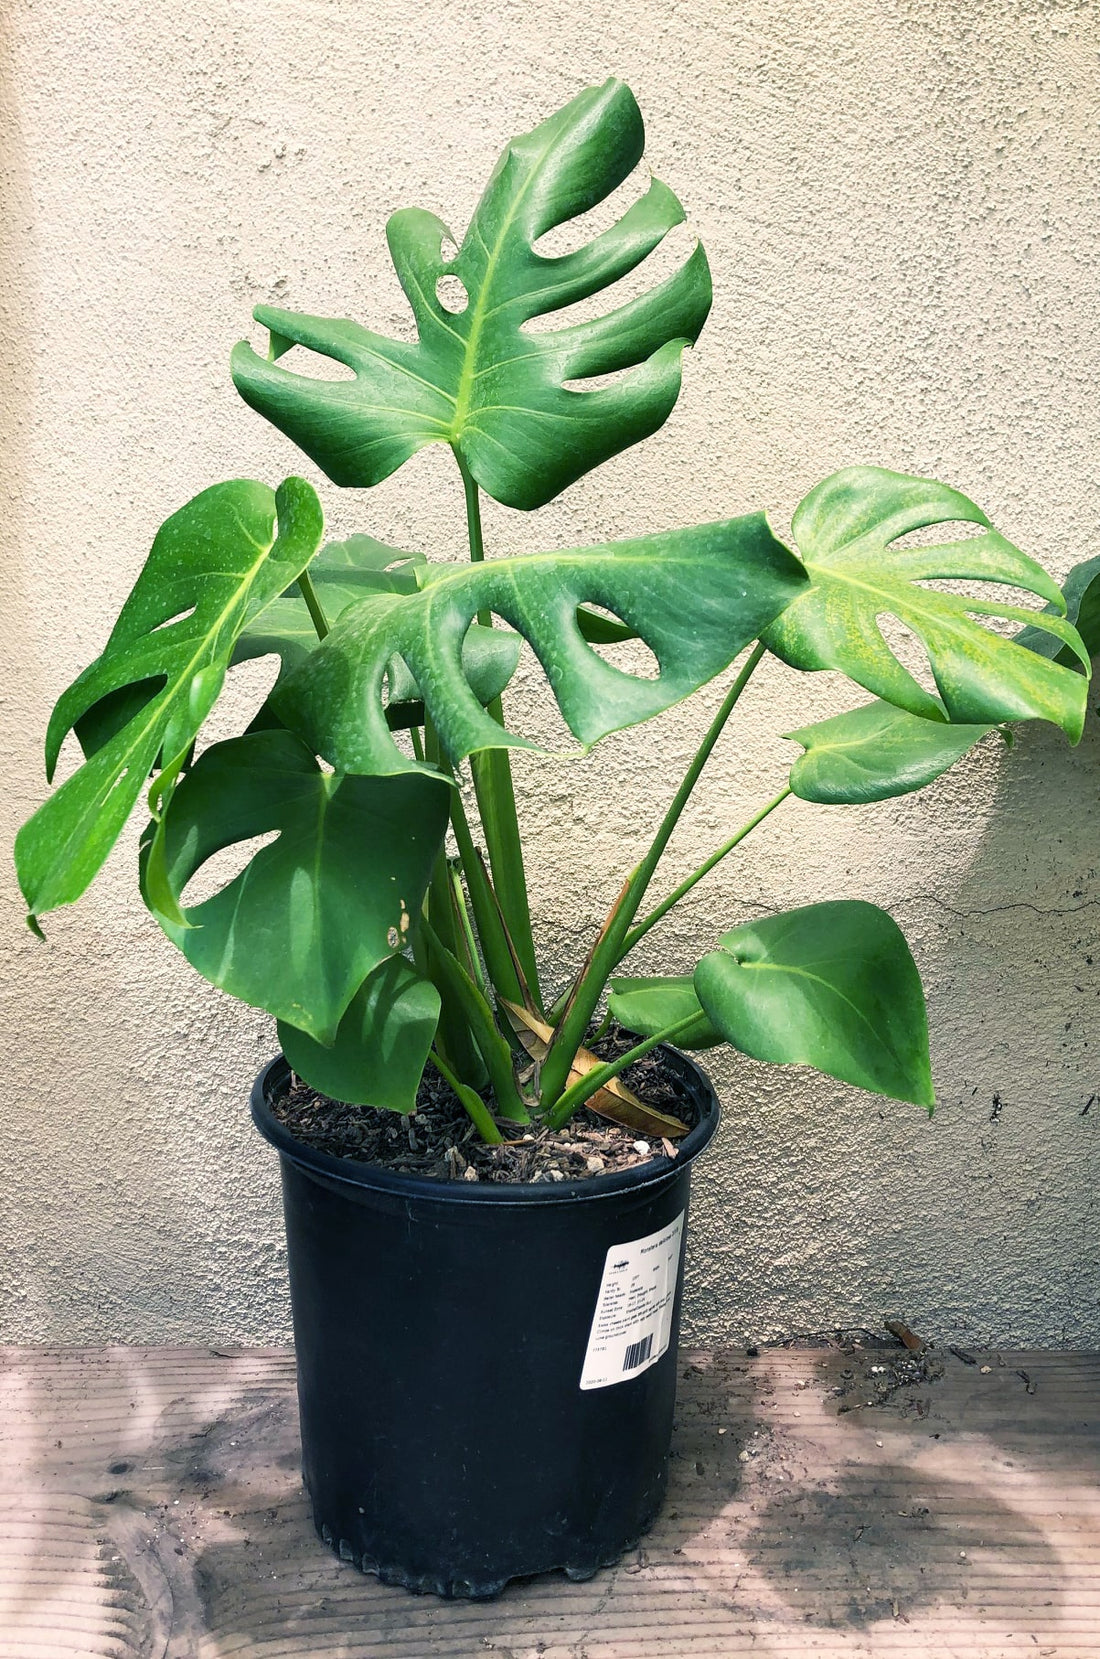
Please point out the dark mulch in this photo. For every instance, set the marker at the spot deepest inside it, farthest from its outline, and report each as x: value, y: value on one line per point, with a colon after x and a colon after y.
x: 439, y: 1140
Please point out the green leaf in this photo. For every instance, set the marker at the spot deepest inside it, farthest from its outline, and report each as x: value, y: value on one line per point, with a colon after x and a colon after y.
x: 648, y: 1006
x: 831, y: 986
x: 845, y: 530
x: 213, y: 564
x: 320, y: 907
x: 875, y: 752
x: 381, y: 1044
x: 342, y: 574
x: 1081, y: 595
x: 476, y: 378
x: 696, y: 597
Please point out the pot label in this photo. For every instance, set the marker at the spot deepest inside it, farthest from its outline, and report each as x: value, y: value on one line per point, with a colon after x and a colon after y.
x: 633, y: 1320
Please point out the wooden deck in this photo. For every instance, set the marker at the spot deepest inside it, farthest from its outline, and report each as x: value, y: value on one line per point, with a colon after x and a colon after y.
x: 150, y: 1508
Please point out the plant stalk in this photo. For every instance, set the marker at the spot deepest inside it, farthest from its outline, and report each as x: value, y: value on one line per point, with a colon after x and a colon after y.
x: 641, y: 928
x: 313, y: 604
x: 479, y: 1113
x: 570, y: 1032
x: 496, y: 798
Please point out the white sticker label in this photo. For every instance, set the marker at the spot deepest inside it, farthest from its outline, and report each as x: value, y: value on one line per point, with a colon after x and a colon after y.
x: 633, y: 1319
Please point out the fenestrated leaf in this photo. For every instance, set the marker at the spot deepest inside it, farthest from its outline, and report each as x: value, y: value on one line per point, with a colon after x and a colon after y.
x: 832, y: 986
x: 614, y: 1100
x: 696, y: 597
x: 875, y: 752
x: 1081, y: 593
x: 648, y: 1006
x: 476, y: 378
x: 320, y: 907
x: 381, y: 1044
x: 212, y: 565
x: 344, y: 573
x: 846, y: 529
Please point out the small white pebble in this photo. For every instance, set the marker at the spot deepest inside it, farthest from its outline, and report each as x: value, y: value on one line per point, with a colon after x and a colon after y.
x: 528, y: 1137
x: 876, y: 1369
x: 555, y: 1175
x: 985, y: 1370
x: 962, y: 1555
x: 594, y: 1164
x: 721, y: 1431
x: 641, y: 1146
x: 743, y: 1457
x: 470, y: 1174
x: 797, y: 1414
x: 878, y: 1442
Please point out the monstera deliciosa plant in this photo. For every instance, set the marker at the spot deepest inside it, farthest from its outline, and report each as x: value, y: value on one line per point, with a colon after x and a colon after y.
x: 376, y: 949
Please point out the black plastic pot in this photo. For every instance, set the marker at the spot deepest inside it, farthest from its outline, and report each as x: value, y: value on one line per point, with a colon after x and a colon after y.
x: 442, y: 1330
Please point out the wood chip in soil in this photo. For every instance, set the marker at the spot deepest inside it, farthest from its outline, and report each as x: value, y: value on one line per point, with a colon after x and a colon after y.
x: 440, y: 1142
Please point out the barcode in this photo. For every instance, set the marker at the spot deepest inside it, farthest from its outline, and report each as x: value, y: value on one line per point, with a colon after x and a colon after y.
x: 637, y: 1352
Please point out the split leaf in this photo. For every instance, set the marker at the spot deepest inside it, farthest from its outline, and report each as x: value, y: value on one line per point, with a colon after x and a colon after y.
x: 845, y: 530
x: 213, y: 565
x: 475, y: 377
x: 342, y: 574
x: 831, y: 986
x: 696, y: 597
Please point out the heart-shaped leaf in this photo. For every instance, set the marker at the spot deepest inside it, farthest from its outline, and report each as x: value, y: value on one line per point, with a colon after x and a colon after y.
x: 381, y: 1044
x: 1081, y: 594
x: 832, y: 986
x: 875, y: 752
x: 320, y: 907
x: 846, y: 529
x: 696, y: 597
x: 476, y: 378
x: 648, y: 1006
x: 213, y: 564
x: 342, y: 574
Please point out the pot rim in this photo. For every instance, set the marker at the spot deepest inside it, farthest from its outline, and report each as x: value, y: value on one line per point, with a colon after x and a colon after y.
x: 373, y: 1177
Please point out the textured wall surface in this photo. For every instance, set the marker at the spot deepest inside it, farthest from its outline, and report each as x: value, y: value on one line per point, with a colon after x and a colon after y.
x: 899, y: 202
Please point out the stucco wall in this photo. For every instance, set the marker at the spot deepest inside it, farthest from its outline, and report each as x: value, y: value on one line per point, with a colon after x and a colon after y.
x: 899, y: 201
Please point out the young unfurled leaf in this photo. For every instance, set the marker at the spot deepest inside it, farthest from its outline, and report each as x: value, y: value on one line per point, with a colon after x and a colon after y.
x: 832, y: 986
x: 875, y: 752
x: 648, y: 1006
x: 381, y: 1045
x: 213, y: 564
x: 845, y: 530
x: 614, y: 1101
x: 696, y: 597
x: 319, y: 908
x: 475, y: 377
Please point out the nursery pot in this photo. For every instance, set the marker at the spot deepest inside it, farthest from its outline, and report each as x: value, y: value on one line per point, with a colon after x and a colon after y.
x: 486, y: 1373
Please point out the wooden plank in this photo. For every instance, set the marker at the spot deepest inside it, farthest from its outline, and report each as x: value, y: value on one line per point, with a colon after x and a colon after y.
x: 150, y: 1506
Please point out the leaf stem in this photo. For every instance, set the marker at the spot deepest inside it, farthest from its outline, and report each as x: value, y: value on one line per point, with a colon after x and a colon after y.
x: 479, y: 1113
x: 608, y: 952
x: 595, y: 1079
x: 479, y: 1018
x: 313, y: 604
x: 705, y: 868
x: 496, y: 797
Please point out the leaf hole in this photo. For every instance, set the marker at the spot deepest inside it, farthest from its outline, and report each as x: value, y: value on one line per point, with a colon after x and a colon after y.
x: 180, y: 616
x: 448, y: 250
x: 597, y: 382
x: 628, y: 656
x: 223, y: 867
x: 929, y: 535
x: 451, y: 293
x: 909, y: 650
x: 248, y: 685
